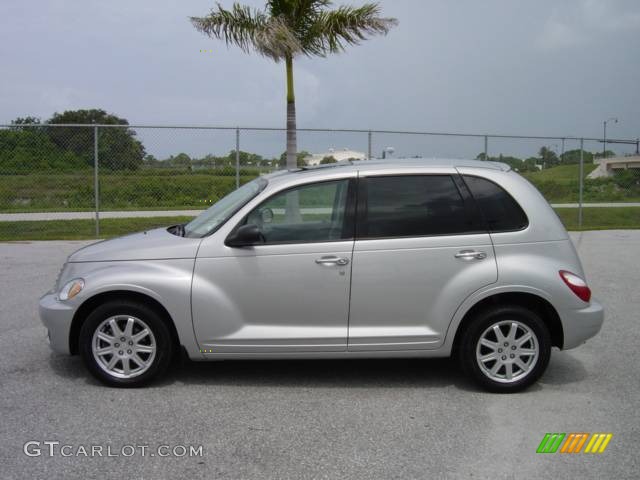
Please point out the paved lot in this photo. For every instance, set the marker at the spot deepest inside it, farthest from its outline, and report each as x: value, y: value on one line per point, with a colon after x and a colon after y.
x: 322, y: 419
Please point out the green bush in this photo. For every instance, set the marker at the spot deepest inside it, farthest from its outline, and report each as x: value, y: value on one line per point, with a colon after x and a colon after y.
x: 30, y: 151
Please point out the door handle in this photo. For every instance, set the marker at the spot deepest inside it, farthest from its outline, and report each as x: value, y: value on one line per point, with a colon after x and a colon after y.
x: 332, y: 260
x: 470, y: 255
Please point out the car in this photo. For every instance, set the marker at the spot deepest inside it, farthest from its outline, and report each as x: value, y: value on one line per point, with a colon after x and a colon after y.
x: 361, y: 259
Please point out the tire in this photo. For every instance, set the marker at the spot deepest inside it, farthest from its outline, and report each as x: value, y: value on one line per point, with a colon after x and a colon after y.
x: 144, y: 354
x: 521, y: 354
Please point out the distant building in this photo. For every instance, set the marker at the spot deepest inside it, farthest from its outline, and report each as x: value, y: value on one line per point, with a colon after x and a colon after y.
x: 607, y: 166
x: 339, y: 155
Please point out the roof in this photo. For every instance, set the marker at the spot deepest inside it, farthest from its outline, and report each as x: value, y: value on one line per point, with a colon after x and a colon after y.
x: 364, y: 165
x: 435, y: 162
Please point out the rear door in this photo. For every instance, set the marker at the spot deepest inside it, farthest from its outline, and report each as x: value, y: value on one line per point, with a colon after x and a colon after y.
x: 420, y: 250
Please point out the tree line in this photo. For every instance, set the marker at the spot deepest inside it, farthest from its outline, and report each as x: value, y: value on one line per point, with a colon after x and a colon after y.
x: 44, y: 147
x: 245, y: 159
x: 33, y: 145
x: 546, y: 158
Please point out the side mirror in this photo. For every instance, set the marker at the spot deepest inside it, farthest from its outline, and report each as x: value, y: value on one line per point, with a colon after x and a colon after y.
x: 245, y: 236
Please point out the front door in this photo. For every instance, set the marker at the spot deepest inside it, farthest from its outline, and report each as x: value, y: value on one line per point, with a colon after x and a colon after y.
x: 289, y: 294
x: 419, y: 252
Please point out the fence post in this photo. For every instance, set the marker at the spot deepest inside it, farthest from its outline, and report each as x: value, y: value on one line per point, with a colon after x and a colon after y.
x: 581, y: 183
x: 369, y: 145
x: 237, y: 157
x: 95, y: 179
x: 486, y: 147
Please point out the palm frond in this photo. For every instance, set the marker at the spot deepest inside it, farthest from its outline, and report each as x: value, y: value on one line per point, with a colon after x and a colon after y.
x: 276, y: 40
x: 293, y: 9
x: 290, y: 27
x: 236, y: 26
x: 333, y: 30
x: 249, y: 28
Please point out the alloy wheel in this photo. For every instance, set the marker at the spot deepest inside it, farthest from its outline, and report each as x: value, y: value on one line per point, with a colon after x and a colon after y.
x: 507, y: 351
x: 124, y: 346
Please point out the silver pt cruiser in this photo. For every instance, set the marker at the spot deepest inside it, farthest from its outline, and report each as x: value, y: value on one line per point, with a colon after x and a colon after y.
x: 404, y: 258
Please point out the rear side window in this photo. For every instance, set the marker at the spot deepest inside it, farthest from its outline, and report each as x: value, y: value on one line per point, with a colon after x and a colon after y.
x: 412, y: 205
x: 501, y: 212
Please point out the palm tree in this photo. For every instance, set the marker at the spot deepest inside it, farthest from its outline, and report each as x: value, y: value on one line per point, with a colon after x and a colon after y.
x: 289, y: 28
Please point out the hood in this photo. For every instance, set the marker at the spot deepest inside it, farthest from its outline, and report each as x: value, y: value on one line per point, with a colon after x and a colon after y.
x: 154, y: 244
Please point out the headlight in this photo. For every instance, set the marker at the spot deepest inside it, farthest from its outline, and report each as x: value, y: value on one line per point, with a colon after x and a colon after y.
x: 71, y: 289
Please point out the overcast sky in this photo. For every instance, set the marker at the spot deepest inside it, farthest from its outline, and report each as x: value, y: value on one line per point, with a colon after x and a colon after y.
x: 547, y: 67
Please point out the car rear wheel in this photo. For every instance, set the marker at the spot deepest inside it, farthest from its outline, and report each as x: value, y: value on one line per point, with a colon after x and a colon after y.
x: 505, y: 349
x: 125, y: 344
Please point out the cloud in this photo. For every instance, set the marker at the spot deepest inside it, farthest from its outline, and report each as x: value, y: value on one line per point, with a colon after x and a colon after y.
x: 568, y: 27
x: 58, y: 99
x: 308, y: 87
x: 609, y: 16
x: 556, y: 35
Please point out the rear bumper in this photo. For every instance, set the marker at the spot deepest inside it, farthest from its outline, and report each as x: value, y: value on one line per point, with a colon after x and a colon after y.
x: 580, y: 325
x: 57, y: 317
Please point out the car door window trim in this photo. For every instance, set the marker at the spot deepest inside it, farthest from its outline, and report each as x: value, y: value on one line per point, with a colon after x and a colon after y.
x: 362, y: 209
x: 348, y: 223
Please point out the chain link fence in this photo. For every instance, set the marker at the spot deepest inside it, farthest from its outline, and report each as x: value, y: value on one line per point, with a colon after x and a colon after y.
x: 84, y: 181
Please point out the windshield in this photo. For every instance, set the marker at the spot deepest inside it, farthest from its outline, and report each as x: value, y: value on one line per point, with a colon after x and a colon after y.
x: 212, y: 218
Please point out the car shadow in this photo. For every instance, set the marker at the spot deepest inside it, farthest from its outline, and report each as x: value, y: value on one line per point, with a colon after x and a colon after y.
x: 68, y: 367
x: 564, y: 368
x: 353, y: 373
x: 365, y: 373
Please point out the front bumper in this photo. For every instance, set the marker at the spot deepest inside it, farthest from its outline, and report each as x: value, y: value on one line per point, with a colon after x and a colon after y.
x: 57, y: 317
x: 580, y: 325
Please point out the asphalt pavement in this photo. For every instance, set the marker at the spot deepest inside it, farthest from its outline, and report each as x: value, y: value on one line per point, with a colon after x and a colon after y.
x: 318, y: 419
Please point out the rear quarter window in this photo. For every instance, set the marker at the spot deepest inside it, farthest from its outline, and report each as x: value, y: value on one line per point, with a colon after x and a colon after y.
x: 499, y: 209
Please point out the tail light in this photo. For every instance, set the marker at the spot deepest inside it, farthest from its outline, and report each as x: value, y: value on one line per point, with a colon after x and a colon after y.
x: 576, y: 284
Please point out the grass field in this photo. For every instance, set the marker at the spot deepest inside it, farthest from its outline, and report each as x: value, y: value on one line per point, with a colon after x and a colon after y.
x: 561, y: 173
x: 593, y: 219
x: 176, y: 189
x: 561, y: 185
x: 601, y: 218
x: 81, y: 229
x: 144, y: 190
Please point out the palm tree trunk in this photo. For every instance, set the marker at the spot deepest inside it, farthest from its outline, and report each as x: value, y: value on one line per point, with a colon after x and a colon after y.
x: 292, y: 214
x: 291, y: 118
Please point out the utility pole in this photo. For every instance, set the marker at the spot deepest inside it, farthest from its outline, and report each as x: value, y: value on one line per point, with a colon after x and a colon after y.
x: 604, y: 138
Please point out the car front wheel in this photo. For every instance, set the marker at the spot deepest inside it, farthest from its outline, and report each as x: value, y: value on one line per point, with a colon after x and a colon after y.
x: 505, y: 349
x: 125, y: 344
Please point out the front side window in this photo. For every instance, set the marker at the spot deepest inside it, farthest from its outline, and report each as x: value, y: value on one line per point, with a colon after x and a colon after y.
x: 413, y: 205
x: 309, y: 213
